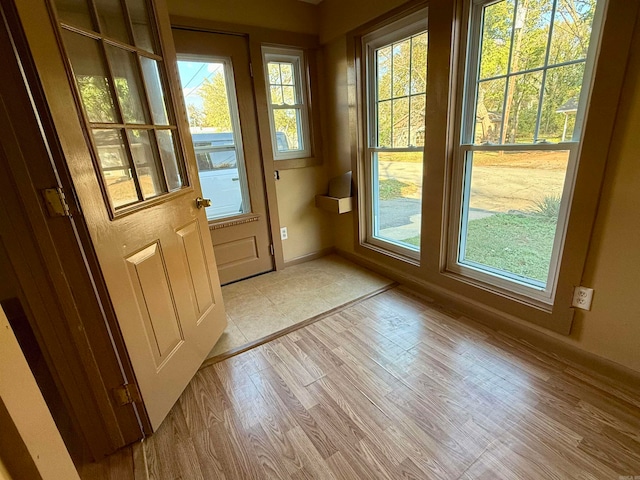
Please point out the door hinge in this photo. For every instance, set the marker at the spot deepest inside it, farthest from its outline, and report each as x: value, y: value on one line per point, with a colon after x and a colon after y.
x: 272, y: 250
x: 251, y: 69
x: 56, y: 202
x: 126, y: 394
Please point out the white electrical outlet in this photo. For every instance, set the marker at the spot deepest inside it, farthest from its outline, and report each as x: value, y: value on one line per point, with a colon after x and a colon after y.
x: 582, y: 297
x: 283, y: 233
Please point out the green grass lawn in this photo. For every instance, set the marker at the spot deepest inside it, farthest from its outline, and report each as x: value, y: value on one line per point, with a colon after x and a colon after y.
x: 392, y: 188
x: 520, y: 244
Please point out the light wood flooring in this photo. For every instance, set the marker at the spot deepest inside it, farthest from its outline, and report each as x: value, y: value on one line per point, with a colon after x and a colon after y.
x: 393, y: 387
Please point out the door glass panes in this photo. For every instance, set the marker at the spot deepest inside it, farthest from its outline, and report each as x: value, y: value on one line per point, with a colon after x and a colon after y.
x: 169, y: 157
x: 142, y: 33
x: 526, y: 92
x: 212, y: 109
x: 150, y: 176
x: 89, y: 70
x: 397, y: 197
x: 127, y: 83
x: 75, y: 12
x: 397, y: 135
x: 155, y: 91
x: 112, y: 21
x: 116, y: 169
x: 512, y: 212
x: 126, y: 106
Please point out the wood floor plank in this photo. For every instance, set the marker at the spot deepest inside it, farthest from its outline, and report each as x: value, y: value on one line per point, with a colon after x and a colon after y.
x: 393, y: 387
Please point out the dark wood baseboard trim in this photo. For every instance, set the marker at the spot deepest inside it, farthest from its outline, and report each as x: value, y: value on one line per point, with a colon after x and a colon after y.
x: 310, y: 256
x: 511, y: 326
x: 261, y: 341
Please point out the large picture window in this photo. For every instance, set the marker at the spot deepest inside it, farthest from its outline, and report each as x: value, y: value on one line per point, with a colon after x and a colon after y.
x: 529, y: 65
x: 396, y: 73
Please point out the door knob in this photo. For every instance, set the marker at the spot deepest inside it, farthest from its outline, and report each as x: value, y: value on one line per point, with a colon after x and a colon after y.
x: 203, y: 202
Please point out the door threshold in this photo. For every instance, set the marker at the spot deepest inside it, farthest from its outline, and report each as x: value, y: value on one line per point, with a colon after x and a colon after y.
x: 285, y: 331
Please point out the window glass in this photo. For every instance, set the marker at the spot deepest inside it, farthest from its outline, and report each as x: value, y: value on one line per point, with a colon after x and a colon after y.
x: 212, y: 108
x: 397, y: 76
x: 287, y: 108
x: 520, y: 138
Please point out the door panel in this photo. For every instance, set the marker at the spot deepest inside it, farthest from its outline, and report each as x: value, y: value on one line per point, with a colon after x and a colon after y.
x: 199, y: 278
x: 160, y: 272
x: 155, y: 300
x: 218, y: 91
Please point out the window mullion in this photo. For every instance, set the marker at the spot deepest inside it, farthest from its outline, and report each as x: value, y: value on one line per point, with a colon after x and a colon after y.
x: 544, y: 73
x: 508, y: 81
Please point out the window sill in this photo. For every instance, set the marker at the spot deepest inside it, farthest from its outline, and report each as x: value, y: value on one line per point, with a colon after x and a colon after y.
x: 297, y: 163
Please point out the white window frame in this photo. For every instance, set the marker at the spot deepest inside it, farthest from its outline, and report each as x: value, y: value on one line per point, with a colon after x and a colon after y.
x: 397, y: 31
x: 297, y: 59
x: 511, y: 285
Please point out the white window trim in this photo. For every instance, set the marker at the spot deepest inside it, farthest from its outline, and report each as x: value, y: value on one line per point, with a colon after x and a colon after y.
x: 296, y: 58
x: 394, y: 32
x: 501, y: 283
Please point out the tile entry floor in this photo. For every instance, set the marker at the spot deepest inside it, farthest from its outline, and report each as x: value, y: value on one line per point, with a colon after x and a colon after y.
x: 266, y: 304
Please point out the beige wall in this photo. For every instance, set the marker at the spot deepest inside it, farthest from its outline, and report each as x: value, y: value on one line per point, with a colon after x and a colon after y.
x: 290, y: 15
x: 612, y: 329
x: 309, y: 228
x: 340, y: 16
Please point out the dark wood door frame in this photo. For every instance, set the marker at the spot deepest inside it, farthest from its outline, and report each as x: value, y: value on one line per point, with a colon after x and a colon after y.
x: 53, y: 259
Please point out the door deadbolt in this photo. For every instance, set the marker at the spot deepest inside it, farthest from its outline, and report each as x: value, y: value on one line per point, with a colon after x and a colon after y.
x: 203, y: 202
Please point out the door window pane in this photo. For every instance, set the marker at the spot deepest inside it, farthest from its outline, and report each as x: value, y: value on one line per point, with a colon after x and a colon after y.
x: 149, y: 174
x: 75, y: 12
x: 217, y: 141
x: 115, y: 166
x: 112, y: 22
x: 169, y: 158
x: 91, y: 77
x: 510, y: 222
x: 397, y: 197
x: 127, y: 83
x: 157, y: 97
x: 142, y: 34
